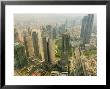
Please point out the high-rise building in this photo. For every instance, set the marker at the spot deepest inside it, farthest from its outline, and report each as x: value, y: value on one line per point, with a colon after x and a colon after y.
x: 28, y: 45
x: 86, y: 29
x: 55, y: 32
x: 49, y: 50
x: 18, y: 36
x: 29, y: 31
x: 49, y: 31
x: 38, y: 43
x: 62, y: 29
x: 65, y: 52
x: 35, y: 44
x: 46, y: 49
x: 66, y: 23
x: 65, y: 43
x: 52, y: 50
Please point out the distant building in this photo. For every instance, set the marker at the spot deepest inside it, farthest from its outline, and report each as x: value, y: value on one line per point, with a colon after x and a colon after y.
x: 55, y: 32
x: 18, y: 36
x: 49, y: 31
x: 66, y: 22
x: 29, y: 31
x: 44, y: 32
x: 86, y: 29
x: 62, y: 29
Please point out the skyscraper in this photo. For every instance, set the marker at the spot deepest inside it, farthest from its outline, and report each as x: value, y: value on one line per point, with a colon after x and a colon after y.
x: 46, y: 49
x: 86, y: 29
x: 62, y: 29
x: 38, y: 43
x: 35, y: 44
x: 49, y: 31
x: 52, y: 50
x: 28, y: 45
x: 49, y: 50
x: 55, y: 32
x: 65, y: 43
x: 65, y: 51
x: 18, y: 35
x: 29, y: 31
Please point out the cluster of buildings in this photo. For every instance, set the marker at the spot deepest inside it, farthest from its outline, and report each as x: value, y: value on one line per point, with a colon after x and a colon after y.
x: 35, y: 46
x: 39, y: 44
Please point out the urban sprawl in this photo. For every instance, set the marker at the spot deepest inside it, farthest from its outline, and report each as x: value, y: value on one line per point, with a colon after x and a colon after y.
x: 57, y: 50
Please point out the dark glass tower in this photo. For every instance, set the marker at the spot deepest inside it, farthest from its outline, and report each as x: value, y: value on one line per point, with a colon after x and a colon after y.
x: 46, y: 49
x: 65, y: 52
x: 86, y: 29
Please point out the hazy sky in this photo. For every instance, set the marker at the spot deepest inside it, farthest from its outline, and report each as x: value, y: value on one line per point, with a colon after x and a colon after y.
x: 46, y: 18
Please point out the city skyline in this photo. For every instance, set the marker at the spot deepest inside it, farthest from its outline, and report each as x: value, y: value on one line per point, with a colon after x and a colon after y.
x: 55, y: 45
x: 45, y: 19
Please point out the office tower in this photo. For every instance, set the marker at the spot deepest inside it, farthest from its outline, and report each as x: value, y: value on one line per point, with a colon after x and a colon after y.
x: 65, y: 43
x: 49, y: 31
x: 35, y: 44
x: 86, y: 29
x: 18, y: 36
x: 20, y: 59
x: 52, y: 50
x: 62, y: 29
x: 66, y: 23
x: 46, y: 49
x: 54, y: 32
x: 49, y: 49
x: 29, y: 31
x: 65, y: 51
x: 38, y: 43
x: 28, y: 45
